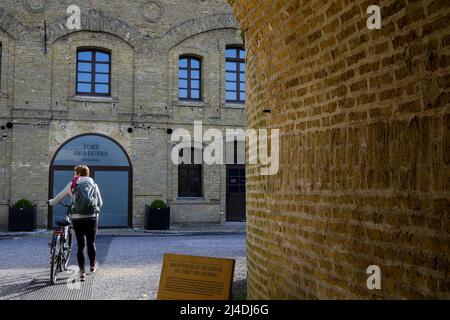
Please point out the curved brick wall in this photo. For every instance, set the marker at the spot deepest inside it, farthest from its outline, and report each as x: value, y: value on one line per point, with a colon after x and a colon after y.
x: 365, y: 149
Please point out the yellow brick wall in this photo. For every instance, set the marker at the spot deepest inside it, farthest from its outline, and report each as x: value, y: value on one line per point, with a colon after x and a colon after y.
x: 364, y: 150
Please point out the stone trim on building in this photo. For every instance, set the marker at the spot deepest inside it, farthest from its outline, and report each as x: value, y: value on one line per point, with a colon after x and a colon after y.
x: 10, y: 25
x: 196, y: 26
x: 97, y: 21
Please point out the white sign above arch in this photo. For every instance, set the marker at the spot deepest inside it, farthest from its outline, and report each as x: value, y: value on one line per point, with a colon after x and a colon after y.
x: 91, y: 150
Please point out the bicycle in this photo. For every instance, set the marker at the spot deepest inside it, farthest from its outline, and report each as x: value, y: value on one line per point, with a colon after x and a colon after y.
x: 61, y: 245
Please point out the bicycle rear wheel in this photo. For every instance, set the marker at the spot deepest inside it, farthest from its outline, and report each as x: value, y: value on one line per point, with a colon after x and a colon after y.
x: 67, y: 249
x: 54, y: 262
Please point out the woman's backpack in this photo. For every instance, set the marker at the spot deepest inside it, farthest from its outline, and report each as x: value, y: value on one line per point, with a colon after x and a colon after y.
x: 85, y: 202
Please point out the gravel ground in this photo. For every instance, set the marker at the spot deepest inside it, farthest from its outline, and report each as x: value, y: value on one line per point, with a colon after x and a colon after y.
x: 130, y: 267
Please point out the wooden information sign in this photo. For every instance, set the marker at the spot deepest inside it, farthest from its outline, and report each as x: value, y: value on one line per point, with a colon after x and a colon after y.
x: 195, y: 278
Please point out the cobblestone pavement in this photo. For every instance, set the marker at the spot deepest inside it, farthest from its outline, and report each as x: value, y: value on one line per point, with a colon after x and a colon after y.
x: 227, y: 228
x: 130, y: 265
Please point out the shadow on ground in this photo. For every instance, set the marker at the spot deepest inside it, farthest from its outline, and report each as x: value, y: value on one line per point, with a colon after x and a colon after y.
x: 240, y: 290
x: 36, y: 285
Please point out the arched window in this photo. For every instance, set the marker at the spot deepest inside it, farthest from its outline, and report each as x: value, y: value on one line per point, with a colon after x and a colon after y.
x: 190, y: 176
x: 93, y: 72
x: 235, y: 75
x: 189, y: 77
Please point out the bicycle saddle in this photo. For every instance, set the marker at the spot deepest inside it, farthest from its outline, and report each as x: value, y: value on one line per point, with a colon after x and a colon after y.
x: 63, y: 223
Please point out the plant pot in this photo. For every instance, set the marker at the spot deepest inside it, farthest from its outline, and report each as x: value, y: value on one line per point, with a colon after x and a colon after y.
x: 157, y: 219
x: 22, y: 219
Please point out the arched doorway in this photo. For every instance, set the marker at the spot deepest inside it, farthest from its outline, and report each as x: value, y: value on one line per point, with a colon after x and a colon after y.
x: 110, y: 168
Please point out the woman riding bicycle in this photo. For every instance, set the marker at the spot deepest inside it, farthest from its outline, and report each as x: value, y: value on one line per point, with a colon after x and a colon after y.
x: 85, y: 223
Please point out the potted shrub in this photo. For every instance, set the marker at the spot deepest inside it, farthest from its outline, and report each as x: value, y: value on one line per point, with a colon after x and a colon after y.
x: 157, y: 216
x: 22, y: 216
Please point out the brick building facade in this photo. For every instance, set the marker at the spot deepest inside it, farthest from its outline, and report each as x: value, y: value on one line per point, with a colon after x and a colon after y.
x: 43, y: 96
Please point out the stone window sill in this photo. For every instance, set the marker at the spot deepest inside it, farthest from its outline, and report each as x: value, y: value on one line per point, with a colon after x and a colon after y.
x: 191, y: 200
x: 94, y: 99
x: 3, y: 95
x: 193, y: 103
x: 230, y: 105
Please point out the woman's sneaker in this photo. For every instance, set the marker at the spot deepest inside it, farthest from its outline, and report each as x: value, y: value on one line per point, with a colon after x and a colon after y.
x: 82, y: 275
x: 94, y: 267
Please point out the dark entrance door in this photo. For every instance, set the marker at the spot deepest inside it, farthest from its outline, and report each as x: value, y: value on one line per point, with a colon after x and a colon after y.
x: 235, y: 193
